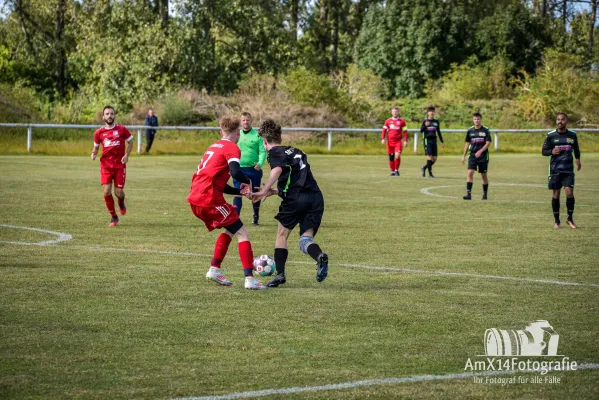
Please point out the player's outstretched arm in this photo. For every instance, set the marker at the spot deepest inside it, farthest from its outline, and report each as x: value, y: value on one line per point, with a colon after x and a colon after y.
x: 267, y: 190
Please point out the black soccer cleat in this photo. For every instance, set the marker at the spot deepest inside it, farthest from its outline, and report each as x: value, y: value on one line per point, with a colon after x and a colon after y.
x: 423, y: 172
x: 431, y: 176
x: 322, y: 267
x: 279, y: 279
x: 467, y: 197
x: 484, y: 197
x: 255, y: 220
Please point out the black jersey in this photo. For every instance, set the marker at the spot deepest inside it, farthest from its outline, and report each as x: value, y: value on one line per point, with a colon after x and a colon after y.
x: 477, y: 139
x: 431, y: 130
x: 296, y: 176
x: 567, y: 142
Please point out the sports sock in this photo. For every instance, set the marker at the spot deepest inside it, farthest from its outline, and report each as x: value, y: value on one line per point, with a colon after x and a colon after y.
x: 109, y: 200
x: 392, y: 165
x: 397, y: 163
x: 570, y: 207
x: 220, y: 249
x: 485, y: 188
x: 429, y: 166
x: 555, y: 206
x: 281, y: 259
x: 246, y: 255
x: 468, y: 187
x: 314, y: 251
x: 121, y: 202
x: 256, y: 207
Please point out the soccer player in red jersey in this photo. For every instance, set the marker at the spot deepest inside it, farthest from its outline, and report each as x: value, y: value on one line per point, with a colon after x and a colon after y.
x: 113, y: 160
x: 394, y: 129
x: 208, y: 184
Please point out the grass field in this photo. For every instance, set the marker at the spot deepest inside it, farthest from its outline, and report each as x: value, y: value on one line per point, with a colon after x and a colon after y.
x: 126, y: 312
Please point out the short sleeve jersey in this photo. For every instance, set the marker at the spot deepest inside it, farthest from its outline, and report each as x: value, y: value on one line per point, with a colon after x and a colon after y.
x: 393, y: 128
x: 113, y: 145
x: 477, y: 139
x: 431, y: 130
x: 296, y: 175
x: 209, y: 181
x: 567, y: 142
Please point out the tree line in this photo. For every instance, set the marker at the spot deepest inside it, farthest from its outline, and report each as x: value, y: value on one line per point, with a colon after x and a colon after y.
x: 131, y: 51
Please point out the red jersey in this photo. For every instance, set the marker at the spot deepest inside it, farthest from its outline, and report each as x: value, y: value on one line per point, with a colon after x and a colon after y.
x: 208, y: 183
x: 113, y: 145
x: 394, y: 127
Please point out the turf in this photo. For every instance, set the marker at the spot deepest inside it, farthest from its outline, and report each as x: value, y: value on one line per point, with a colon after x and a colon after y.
x: 126, y: 312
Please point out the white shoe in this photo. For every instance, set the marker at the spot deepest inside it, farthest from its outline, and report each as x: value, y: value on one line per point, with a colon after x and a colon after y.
x: 217, y: 275
x: 253, y: 283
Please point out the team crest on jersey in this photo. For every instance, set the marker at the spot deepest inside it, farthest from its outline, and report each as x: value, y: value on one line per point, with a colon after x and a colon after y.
x: 115, y: 133
x: 482, y: 134
x: 569, y: 140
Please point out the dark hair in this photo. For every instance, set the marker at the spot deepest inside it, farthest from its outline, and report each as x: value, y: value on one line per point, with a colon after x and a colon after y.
x: 106, y: 108
x: 271, y: 131
x: 246, y: 114
x: 562, y: 113
x: 477, y: 114
x: 229, y: 124
x: 430, y: 108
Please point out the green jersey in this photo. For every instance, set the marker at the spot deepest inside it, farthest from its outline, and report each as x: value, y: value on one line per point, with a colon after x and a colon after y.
x: 252, y: 149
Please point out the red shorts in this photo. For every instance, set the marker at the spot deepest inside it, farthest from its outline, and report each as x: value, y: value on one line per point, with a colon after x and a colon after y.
x: 394, y: 147
x: 217, y: 216
x: 107, y: 175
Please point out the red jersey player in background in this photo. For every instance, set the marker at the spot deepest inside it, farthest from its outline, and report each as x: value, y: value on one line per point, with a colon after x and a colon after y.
x: 113, y: 160
x: 393, y: 129
x: 208, y: 184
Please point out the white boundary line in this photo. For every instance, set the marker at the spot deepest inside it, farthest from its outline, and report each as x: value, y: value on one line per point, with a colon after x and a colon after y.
x: 373, y: 382
x: 61, y: 236
x: 428, y: 192
x: 64, y: 236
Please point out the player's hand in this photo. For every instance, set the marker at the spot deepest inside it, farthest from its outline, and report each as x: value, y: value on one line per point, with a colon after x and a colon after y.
x: 94, y: 156
x: 405, y: 144
x: 478, y: 154
x: 125, y: 159
x: 245, y: 189
x: 578, y: 165
x: 426, y: 123
x: 443, y: 145
x: 257, y: 167
x: 463, y: 159
x: 383, y: 141
x: 556, y: 151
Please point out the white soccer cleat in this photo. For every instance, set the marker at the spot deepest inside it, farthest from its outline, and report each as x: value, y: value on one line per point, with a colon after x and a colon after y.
x: 217, y: 275
x: 254, y: 284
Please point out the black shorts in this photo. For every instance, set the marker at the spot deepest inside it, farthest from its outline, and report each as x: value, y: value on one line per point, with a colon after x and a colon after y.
x: 560, y: 180
x: 305, y: 208
x: 482, y: 164
x: 430, y: 147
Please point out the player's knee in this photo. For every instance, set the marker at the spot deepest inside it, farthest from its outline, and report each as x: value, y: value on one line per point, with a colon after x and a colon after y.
x: 304, y: 242
x: 391, y: 157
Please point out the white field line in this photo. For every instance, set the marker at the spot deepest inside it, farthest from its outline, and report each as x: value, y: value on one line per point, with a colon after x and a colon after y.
x: 369, y: 267
x: 428, y: 192
x: 61, y: 236
x: 375, y: 382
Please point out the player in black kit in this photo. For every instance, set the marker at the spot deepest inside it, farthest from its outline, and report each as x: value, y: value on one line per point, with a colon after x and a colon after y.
x: 430, y: 129
x: 478, y: 140
x: 302, y: 203
x: 560, y: 144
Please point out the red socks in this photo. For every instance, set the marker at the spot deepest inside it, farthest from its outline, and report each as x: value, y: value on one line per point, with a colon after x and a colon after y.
x: 220, y: 249
x: 110, y: 204
x: 397, y: 162
x: 392, y: 166
x: 246, y: 255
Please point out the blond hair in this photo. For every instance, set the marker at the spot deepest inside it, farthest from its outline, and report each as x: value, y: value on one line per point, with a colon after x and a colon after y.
x: 229, y: 124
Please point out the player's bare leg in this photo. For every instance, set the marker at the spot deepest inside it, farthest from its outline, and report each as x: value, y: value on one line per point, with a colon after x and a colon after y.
x: 109, y: 200
x: 555, y: 206
x: 120, y: 195
x: 570, y: 206
x: 469, y: 182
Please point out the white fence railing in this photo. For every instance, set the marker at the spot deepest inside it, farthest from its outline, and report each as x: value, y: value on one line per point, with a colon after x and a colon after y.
x: 330, y: 131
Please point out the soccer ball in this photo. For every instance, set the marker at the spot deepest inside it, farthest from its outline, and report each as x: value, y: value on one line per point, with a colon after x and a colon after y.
x: 264, y: 265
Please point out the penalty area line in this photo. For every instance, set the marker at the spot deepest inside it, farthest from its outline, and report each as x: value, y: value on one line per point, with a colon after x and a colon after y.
x: 379, y: 382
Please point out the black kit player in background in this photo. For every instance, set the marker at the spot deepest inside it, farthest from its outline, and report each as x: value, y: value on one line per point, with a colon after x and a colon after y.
x: 560, y: 144
x: 430, y: 129
x: 302, y: 203
x: 478, y: 140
